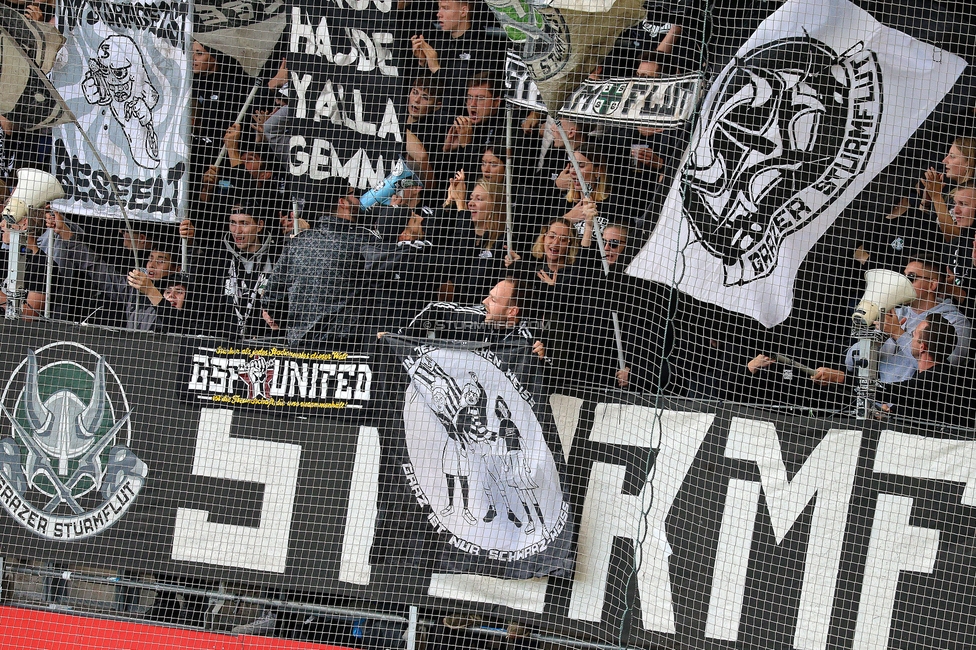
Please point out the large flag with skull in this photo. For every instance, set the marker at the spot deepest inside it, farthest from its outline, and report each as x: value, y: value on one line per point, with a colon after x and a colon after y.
x: 125, y: 75
x: 818, y: 101
x: 481, y: 469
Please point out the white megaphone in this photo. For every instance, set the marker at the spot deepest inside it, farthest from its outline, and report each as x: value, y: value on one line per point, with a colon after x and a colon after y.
x: 886, y: 289
x: 34, y: 189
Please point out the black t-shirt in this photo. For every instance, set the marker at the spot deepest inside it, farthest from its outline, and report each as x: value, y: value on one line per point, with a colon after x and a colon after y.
x: 490, y: 131
x: 895, y: 242
x: 430, y: 130
x: 961, y: 260
x: 940, y: 394
x: 632, y: 46
x: 460, y: 58
x: 218, y: 97
x: 479, y: 264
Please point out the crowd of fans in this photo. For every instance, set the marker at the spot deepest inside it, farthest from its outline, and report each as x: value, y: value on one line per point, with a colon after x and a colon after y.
x: 338, y: 275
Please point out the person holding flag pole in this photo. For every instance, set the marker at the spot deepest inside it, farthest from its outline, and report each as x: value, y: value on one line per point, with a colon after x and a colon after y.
x: 44, y: 42
x: 564, y: 41
x: 251, y: 45
x: 601, y: 247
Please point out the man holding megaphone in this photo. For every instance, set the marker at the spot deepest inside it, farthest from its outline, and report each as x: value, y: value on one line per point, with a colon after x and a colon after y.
x: 31, y: 278
x: 896, y: 362
x: 34, y: 189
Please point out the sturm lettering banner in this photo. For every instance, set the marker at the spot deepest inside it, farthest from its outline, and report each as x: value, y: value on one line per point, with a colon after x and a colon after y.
x: 347, y: 98
x: 818, y: 101
x: 714, y: 526
x: 126, y: 77
x: 664, y: 102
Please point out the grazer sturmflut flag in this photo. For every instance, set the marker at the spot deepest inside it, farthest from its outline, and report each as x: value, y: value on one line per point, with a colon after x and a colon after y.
x: 817, y: 102
x: 480, y: 469
x: 562, y: 41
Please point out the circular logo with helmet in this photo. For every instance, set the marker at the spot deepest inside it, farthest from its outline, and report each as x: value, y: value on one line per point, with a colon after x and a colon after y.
x: 540, y: 29
x: 785, y: 130
x: 66, y: 469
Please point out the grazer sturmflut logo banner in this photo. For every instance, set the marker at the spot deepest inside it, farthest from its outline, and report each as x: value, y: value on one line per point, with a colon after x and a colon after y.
x: 66, y: 469
x: 478, y: 461
x: 792, y: 124
x: 811, y: 108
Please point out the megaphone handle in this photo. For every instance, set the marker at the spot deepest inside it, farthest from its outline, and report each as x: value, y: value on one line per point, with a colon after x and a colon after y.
x: 621, y: 360
x: 240, y: 117
x: 49, y: 273
x: 14, y: 284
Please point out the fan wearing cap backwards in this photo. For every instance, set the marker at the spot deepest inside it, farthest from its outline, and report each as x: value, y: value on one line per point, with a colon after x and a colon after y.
x: 235, y: 271
x: 320, y: 274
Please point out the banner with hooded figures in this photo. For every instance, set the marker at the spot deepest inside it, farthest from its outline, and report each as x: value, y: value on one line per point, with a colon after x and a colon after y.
x: 814, y: 104
x: 125, y: 75
x: 476, y: 451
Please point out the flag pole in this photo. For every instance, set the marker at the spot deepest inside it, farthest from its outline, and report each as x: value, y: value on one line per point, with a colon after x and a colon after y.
x: 184, y: 244
x: 598, y: 232
x: 585, y: 188
x: 240, y: 116
x: 48, y: 273
x: 509, y: 219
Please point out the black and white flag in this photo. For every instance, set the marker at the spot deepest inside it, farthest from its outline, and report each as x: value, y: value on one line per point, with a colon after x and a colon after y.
x: 348, y: 99
x: 126, y: 77
x: 478, y: 453
x: 561, y: 41
x: 817, y: 102
x: 246, y: 30
x: 27, y: 52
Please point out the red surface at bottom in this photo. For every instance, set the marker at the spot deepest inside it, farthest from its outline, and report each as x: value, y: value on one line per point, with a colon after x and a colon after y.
x: 30, y: 629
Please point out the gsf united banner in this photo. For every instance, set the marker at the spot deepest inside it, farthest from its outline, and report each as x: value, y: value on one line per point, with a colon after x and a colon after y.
x: 347, y: 95
x: 479, y: 454
x: 811, y: 108
x: 126, y: 77
x: 278, y: 378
